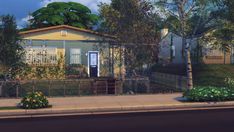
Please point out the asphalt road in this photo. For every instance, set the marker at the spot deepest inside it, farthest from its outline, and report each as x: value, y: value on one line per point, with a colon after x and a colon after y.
x: 183, y: 121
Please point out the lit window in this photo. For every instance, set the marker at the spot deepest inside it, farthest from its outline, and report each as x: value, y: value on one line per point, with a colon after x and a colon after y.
x: 75, y: 56
x: 41, y: 55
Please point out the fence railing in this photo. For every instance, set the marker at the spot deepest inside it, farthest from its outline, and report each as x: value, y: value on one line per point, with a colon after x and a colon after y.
x: 136, y: 85
x: 97, y: 86
x: 53, y: 88
x: 169, y: 80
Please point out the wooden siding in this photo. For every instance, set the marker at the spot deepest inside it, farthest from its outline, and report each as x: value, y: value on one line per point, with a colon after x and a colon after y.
x: 55, y: 34
x: 217, y: 59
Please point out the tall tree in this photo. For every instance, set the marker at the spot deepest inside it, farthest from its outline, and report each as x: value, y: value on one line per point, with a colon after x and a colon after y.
x: 229, y: 4
x: 189, y: 19
x: 223, y: 36
x: 226, y: 32
x: 10, y: 49
x: 58, y: 13
x: 134, y: 24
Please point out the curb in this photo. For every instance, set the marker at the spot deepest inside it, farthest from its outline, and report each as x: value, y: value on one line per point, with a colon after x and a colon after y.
x: 56, y: 112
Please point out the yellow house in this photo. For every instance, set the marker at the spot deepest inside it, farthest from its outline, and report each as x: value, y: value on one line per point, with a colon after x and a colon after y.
x: 67, y: 45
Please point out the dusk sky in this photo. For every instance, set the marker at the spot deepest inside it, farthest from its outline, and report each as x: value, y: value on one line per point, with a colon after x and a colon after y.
x: 21, y: 8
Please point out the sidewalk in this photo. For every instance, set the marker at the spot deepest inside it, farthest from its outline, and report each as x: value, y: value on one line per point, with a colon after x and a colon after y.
x: 109, y: 104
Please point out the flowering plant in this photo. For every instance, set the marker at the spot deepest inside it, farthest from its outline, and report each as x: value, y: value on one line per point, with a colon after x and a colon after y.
x: 34, y: 100
x: 209, y: 93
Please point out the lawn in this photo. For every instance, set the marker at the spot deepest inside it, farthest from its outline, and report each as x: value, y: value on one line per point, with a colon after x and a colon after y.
x: 9, y: 108
x: 212, y: 75
x: 203, y: 75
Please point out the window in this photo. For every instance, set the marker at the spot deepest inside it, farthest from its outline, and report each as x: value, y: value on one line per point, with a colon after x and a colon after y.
x: 64, y: 33
x: 41, y: 55
x: 75, y: 56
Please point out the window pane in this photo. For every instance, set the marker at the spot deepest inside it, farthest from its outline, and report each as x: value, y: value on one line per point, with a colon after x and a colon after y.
x: 41, y: 55
x: 75, y: 56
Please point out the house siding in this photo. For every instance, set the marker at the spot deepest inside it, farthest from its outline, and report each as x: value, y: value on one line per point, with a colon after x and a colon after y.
x: 204, y: 55
x: 84, y: 41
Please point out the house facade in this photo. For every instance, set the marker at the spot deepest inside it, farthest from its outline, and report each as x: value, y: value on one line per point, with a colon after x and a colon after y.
x: 66, y: 45
x: 171, y: 51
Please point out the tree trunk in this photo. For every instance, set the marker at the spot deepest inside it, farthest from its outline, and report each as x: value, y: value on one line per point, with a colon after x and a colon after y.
x: 224, y: 58
x: 189, y: 69
x: 187, y: 56
x: 185, y: 48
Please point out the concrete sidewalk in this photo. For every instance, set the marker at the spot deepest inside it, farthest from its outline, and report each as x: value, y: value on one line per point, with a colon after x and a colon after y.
x: 110, y: 104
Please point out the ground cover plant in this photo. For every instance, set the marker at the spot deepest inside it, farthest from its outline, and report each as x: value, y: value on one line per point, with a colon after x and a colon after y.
x: 34, y: 100
x: 207, y: 94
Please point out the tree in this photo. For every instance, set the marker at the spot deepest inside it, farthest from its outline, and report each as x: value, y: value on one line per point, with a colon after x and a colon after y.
x: 10, y: 50
x: 189, y: 19
x: 229, y: 7
x: 222, y: 37
x: 59, y: 13
x: 226, y: 33
x: 133, y: 22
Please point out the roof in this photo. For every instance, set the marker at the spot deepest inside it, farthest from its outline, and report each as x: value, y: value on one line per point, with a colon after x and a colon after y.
x: 65, y: 27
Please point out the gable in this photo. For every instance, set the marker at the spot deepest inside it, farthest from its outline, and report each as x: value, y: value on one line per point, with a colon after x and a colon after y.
x: 61, y: 34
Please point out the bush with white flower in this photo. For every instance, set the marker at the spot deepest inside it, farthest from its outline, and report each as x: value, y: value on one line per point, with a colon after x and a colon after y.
x: 209, y: 93
x: 34, y: 100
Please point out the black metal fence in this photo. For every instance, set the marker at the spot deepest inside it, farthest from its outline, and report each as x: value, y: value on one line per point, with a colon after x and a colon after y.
x: 53, y: 88
x: 169, y: 82
x: 158, y: 83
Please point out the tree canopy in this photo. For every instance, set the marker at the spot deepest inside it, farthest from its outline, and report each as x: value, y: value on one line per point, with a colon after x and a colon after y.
x: 135, y: 25
x: 189, y: 19
x: 10, y: 49
x: 58, y: 13
x: 223, y: 35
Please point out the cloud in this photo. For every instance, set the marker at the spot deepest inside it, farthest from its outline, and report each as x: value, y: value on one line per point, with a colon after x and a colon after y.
x: 92, y: 4
x: 21, y: 23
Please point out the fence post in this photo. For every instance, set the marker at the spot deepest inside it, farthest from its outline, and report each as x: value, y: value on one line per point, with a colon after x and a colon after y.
x: 95, y: 86
x: 17, y: 90
x: 1, y: 88
x: 148, y: 86
x: 64, y: 91
x: 49, y: 88
x: 135, y: 83
x: 33, y: 85
x: 78, y: 87
x: 115, y: 87
x: 121, y: 86
x: 106, y: 84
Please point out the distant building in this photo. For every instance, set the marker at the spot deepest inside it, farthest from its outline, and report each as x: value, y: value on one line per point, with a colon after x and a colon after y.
x: 171, y: 51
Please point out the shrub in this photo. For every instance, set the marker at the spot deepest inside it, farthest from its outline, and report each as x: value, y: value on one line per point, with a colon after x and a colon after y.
x: 229, y: 82
x: 76, y: 71
x: 34, y: 100
x: 204, y: 94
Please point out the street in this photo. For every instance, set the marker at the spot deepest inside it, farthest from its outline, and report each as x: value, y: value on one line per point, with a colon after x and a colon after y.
x: 181, y: 121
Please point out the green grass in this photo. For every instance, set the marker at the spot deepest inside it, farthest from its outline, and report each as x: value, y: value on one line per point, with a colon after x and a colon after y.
x: 203, y: 75
x: 212, y: 75
x: 9, y: 108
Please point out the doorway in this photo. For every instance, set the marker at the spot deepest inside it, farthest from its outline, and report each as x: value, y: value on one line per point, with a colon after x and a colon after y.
x: 93, y: 63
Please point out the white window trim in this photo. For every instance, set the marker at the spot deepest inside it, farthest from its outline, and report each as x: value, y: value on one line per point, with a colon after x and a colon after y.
x: 70, y: 56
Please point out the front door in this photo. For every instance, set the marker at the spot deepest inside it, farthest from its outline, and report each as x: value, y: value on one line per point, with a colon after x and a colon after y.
x: 93, y: 59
